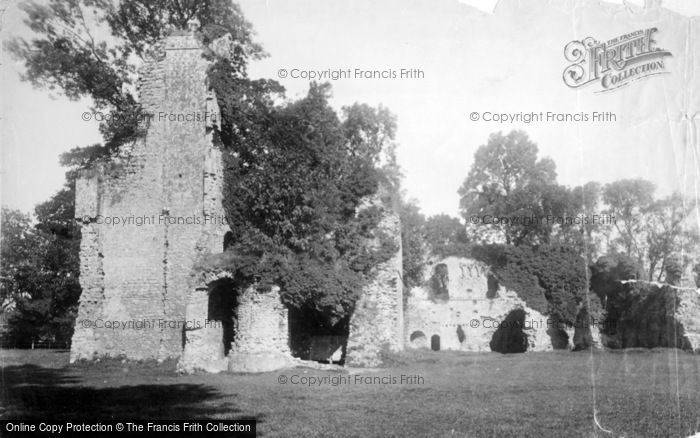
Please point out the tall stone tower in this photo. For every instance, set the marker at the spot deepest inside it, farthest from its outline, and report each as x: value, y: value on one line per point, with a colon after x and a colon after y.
x: 147, y: 216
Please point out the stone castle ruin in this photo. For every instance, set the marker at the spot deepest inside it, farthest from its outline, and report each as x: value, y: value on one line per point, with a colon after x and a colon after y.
x: 462, y: 307
x: 145, y: 297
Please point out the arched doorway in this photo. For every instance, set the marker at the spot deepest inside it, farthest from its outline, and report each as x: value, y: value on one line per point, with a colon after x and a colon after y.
x: 435, y: 343
x: 418, y: 339
x: 510, y: 337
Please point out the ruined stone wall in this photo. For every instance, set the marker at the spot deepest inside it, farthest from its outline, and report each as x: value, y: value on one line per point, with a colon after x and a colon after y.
x: 377, y: 322
x: 143, y: 273
x: 466, y: 319
x: 688, y: 315
x: 261, y: 339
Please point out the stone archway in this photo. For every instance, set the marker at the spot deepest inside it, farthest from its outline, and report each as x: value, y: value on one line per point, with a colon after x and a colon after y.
x: 233, y: 329
x: 418, y: 340
x: 510, y: 337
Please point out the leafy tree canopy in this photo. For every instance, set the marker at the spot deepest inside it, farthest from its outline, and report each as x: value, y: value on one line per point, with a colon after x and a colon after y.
x: 655, y: 232
x: 92, y: 48
x: 446, y: 236
x: 414, y: 244
x: 508, y: 180
x: 39, y: 287
x: 550, y: 279
x: 297, y: 177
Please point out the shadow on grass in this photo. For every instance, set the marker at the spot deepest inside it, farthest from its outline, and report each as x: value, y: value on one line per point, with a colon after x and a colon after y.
x: 30, y: 392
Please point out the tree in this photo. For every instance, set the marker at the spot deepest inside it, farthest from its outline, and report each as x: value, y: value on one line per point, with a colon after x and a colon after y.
x: 296, y: 178
x: 40, y: 267
x: 670, y: 242
x: 585, y: 230
x: 92, y: 48
x: 21, y: 250
x: 628, y: 201
x: 507, y: 180
x: 413, y: 243
x: 654, y: 232
x: 550, y: 279
x: 18, y: 253
x: 446, y: 236
x: 609, y: 270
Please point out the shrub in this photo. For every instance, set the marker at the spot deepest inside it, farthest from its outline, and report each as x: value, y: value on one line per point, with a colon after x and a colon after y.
x: 550, y: 279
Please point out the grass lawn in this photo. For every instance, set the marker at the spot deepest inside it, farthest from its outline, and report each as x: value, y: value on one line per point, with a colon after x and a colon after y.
x: 635, y: 394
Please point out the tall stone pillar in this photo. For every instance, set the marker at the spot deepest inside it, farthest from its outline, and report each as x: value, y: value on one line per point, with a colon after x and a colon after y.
x: 377, y: 323
x: 261, y: 333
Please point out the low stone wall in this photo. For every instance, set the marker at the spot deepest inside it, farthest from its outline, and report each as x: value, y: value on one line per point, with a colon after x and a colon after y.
x: 258, y: 324
x: 688, y: 314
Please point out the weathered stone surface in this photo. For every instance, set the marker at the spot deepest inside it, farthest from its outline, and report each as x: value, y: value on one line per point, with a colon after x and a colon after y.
x: 688, y: 315
x: 261, y: 330
x: 204, y: 349
x: 140, y: 270
x: 468, y: 319
x: 167, y: 192
x: 377, y: 322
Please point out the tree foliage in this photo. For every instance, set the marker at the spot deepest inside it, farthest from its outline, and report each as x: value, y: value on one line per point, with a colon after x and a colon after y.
x: 655, y: 232
x: 446, y: 236
x: 628, y: 201
x: 40, y: 265
x: 508, y: 180
x: 550, y: 279
x: 93, y: 48
x: 413, y: 243
x: 296, y: 180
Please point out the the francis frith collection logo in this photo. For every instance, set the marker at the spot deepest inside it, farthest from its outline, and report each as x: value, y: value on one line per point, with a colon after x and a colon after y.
x: 614, y: 63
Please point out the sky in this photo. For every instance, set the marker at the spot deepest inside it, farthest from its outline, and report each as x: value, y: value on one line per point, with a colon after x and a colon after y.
x: 473, y: 57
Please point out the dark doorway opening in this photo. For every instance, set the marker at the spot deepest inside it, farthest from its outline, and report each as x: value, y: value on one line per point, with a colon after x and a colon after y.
x: 440, y: 282
x: 435, y: 343
x: 559, y: 337
x: 228, y: 240
x: 509, y: 337
x: 313, y: 337
x: 222, y: 308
